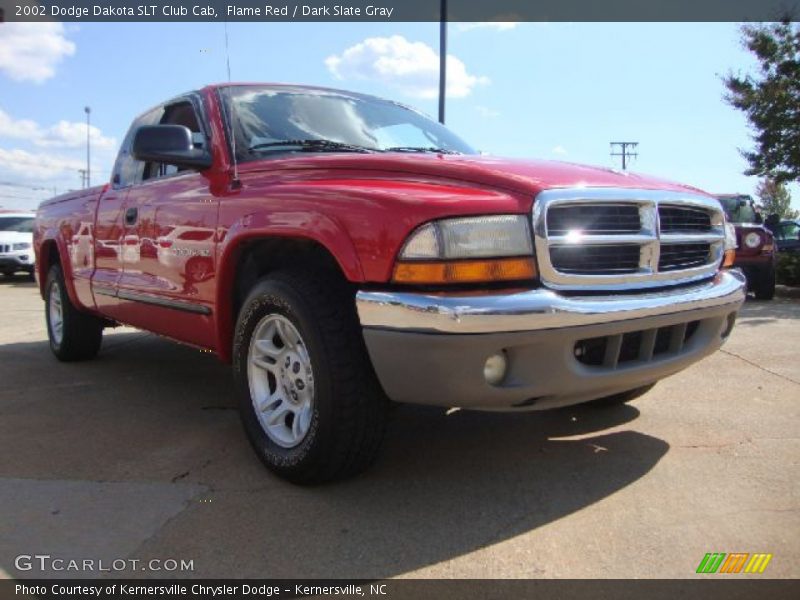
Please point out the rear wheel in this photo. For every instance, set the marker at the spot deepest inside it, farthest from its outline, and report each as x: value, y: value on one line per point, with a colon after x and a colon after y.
x: 309, y: 400
x: 73, y: 335
x: 765, y: 288
x: 622, y: 397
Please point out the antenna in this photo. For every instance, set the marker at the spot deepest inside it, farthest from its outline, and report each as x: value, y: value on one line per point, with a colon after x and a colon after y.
x: 235, y: 183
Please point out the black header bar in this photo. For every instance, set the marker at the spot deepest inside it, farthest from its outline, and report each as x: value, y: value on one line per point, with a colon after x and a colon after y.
x: 399, y: 10
x: 736, y: 587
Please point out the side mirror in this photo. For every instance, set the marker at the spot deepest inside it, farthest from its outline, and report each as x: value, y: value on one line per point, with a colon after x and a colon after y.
x: 759, y: 218
x: 171, y: 144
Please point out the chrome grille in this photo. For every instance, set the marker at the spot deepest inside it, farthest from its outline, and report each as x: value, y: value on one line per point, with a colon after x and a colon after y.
x: 679, y: 218
x: 608, y: 238
x: 600, y: 260
x: 683, y: 256
x: 593, y: 218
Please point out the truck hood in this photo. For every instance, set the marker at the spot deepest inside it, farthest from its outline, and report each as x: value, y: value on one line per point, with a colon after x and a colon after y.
x: 522, y: 175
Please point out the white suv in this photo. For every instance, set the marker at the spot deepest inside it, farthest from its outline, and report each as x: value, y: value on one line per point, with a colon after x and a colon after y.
x: 16, y: 243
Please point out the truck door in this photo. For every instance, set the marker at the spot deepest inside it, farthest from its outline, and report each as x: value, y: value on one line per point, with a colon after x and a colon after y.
x: 109, y: 224
x: 168, y: 279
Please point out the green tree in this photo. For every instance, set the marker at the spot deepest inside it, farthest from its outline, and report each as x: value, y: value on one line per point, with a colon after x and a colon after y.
x: 775, y: 198
x: 771, y: 99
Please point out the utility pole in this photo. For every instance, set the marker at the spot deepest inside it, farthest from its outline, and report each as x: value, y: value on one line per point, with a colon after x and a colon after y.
x: 624, y: 151
x: 442, y: 58
x: 88, y: 111
x: 82, y: 173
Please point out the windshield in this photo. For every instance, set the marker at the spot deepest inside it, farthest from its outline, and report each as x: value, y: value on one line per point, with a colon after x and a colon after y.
x: 21, y: 224
x: 269, y: 121
x: 739, y: 209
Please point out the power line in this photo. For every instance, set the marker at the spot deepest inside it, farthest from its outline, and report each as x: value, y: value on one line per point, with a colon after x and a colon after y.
x: 624, y: 152
x: 21, y: 185
x: 15, y: 197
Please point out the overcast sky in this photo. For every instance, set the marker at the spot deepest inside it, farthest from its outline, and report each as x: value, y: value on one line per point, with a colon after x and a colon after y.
x: 560, y: 91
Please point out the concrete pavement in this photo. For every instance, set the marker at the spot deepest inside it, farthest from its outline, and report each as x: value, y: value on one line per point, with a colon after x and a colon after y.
x: 139, y: 454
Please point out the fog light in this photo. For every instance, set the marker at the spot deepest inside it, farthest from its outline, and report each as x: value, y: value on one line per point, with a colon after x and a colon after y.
x: 495, y: 368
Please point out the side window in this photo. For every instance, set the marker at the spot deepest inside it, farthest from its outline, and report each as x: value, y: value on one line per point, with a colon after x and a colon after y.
x: 788, y: 231
x: 127, y: 170
x: 180, y: 113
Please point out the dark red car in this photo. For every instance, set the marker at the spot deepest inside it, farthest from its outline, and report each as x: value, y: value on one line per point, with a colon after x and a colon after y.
x: 756, y: 253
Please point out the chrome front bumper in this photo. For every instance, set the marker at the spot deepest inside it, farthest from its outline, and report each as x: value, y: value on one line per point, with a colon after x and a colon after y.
x: 431, y: 349
x: 538, y: 309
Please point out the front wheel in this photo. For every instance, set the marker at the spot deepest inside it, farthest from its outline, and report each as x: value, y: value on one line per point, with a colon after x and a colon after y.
x: 309, y: 400
x: 73, y: 335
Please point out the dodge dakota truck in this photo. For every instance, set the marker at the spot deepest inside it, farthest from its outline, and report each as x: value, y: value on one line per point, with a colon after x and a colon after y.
x: 343, y: 252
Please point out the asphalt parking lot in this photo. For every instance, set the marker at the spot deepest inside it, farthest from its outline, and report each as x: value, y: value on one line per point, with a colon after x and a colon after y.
x: 139, y: 455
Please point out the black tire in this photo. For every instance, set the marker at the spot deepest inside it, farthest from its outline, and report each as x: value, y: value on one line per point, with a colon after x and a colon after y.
x: 81, y: 333
x: 765, y: 288
x: 621, y: 398
x: 349, y: 410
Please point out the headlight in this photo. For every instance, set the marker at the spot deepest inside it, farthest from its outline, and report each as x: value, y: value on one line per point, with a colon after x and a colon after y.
x: 730, y: 236
x: 752, y: 240
x: 472, y: 237
x: 468, y: 250
x: 729, y: 246
x: 21, y: 246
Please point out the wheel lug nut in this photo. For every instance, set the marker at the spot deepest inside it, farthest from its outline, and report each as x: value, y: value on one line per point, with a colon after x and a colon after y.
x: 288, y: 362
x: 300, y: 385
x: 296, y: 367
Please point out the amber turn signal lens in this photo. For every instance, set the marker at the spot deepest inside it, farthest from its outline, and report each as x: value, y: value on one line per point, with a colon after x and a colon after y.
x: 730, y: 258
x: 465, y: 271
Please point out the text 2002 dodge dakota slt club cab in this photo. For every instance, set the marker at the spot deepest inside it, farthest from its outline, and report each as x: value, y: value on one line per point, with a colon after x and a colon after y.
x: 356, y: 252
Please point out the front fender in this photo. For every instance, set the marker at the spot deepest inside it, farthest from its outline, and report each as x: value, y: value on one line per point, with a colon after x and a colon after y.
x: 301, y: 225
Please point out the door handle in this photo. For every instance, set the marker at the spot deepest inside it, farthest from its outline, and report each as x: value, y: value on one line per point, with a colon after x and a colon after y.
x: 131, y: 215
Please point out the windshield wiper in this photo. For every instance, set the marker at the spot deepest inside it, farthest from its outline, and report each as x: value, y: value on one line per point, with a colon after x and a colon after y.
x: 432, y: 149
x: 312, y: 146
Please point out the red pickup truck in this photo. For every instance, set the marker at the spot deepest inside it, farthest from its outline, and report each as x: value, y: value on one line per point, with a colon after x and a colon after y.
x: 343, y: 251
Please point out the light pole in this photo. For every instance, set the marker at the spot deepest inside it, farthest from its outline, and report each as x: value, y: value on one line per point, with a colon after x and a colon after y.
x: 442, y: 57
x: 88, y: 112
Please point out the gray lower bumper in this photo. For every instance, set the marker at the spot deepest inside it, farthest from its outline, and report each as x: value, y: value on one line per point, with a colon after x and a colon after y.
x: 16, y: 262
x: 432, y: 349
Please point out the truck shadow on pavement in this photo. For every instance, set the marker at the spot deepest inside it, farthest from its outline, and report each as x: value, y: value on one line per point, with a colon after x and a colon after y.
x: 148, y: 410
x: 19, y: 281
